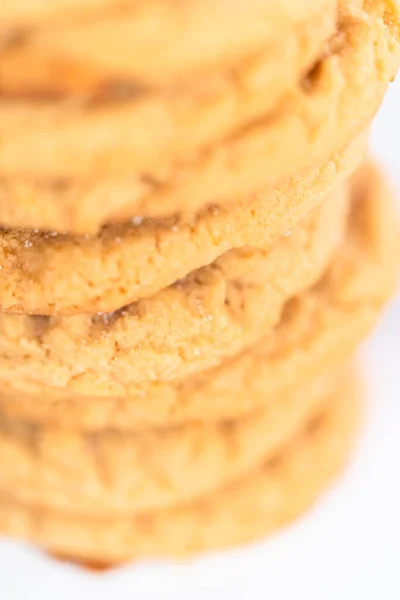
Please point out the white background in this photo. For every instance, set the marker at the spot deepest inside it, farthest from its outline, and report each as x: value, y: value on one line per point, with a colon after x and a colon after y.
x: 347, y: 548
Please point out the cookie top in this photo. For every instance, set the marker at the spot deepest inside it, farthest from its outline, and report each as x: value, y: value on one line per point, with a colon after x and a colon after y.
x: 45, y: 273
x: 274, y: 493
x: 161, y: 162
x: 316, y: 330
x: 176, y: 117
x: 113, y: 472
x: 213, y: 313
x: 138, y: 44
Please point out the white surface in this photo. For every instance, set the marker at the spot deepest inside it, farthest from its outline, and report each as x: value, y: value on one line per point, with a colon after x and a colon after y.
x: 347, y: 548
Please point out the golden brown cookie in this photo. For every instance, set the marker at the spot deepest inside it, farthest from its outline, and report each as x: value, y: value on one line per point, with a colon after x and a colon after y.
x: 270, y: 496
x: 212, y: 314
x: 43, y: 273
x: 317, y: 330
x: 150, y: 44
x: 152, y: 166
x: 113, y: 472
x: 188, y: 114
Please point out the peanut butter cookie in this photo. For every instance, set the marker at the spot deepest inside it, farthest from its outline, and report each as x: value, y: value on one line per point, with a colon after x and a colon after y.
x: 273, y: 494
x: 111, y: 472
x: 148, y: 44
x: 45, y: 273
x: 316, y: 330
x: 145, y: 163
x: 212, y: 314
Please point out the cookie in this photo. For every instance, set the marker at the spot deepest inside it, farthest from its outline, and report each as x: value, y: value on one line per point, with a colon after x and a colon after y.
x: 45, y: 273
x: 212, y: 314
x: 273, y: 494
x: 316, y: 330
x: 151, y: 44
x: 203, y: 110
x: 111, y: 472
x: 159, y: 169
x: 17, y: 14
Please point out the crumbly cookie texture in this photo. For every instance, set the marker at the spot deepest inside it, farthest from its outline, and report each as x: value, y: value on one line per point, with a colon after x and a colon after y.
x: 155, y: 170
x: 47, y: 273
x: 273, y: 494
x: 316, y: 330
x: 212, y: 314
x: 112, y: 472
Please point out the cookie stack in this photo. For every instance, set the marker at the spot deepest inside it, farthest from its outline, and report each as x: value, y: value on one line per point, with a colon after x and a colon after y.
x: 190, y: 253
